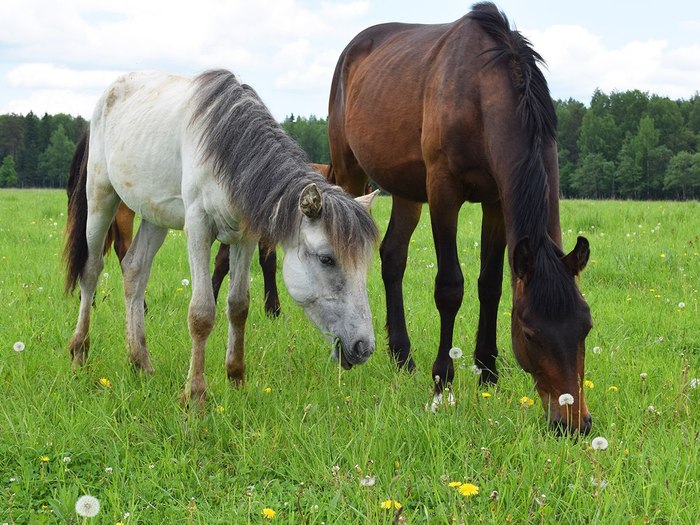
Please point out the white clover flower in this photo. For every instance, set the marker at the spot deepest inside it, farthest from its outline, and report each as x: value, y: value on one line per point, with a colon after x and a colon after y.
x: 87, y: 506
x: 566, y: 399
x: 599, y: 443
x: 185, y: 282
x: 18, y: 346
x: 455, y: 352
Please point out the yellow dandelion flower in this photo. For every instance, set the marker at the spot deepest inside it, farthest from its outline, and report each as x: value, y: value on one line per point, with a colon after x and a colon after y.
x: 386, y: 504
x: 662, y: 255
x: 454, y: 484
x: 267, y: 390
x: 485, y: 394
x: 588, y: 383
x: 44, y: 459
x: 220, y: 409
x: 526, y: 401
x: 468, y: 489
x: 106, y: 382
x: 268, y: 513
x: 612, y: 388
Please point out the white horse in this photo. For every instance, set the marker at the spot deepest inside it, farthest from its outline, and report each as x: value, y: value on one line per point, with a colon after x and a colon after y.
x: 205, y: 155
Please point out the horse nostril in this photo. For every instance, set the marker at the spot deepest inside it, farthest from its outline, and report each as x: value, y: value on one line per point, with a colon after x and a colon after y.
x: 362, y: 349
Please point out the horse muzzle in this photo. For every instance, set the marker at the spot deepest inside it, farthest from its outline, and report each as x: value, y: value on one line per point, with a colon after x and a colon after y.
x: 353, y: 353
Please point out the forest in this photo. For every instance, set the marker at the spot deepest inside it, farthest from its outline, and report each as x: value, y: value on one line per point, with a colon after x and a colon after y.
x: 623, y: 145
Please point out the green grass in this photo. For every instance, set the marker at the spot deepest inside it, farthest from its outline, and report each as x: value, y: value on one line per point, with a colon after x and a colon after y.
x: 301, y: 434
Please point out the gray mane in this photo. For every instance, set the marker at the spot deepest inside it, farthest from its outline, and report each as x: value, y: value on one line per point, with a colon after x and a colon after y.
x: 264, y: 171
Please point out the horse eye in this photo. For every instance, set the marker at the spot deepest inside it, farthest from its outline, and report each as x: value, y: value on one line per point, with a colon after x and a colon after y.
x: 326, y: 260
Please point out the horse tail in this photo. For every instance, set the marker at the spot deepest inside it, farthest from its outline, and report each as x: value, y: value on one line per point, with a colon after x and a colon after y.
x: 75, y: 252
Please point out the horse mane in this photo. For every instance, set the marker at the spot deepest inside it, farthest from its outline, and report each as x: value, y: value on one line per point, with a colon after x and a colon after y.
x: 556, y: 295
x: 264, y: 171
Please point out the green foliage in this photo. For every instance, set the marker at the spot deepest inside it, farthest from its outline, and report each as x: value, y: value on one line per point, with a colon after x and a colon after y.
x: 311, y: 134
x: 55, y: 161
x: 8, y: 174
x: 302, y: 447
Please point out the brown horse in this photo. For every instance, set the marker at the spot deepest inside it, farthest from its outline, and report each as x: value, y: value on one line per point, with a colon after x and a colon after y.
x: 121, y: 234
x: 460, y: 112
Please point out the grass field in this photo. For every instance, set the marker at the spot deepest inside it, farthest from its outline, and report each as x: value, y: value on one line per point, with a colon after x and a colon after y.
x: 314, y: 444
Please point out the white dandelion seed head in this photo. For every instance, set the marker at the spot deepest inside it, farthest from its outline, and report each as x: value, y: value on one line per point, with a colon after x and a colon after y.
x: 651, y: 409
x: 108, y: 470
x: 87, y: 506
x: 599, y: 443
x: 455, y: 352
x: 643, y: 376
x: 597, y: 349
x: 18, y: 346
x: 368, y: 481
x: 681, y: 305
x: 566, y: 399
x: 185, y: 282
x: 105, y: 275
x: 66, y: 459
x: 476, y: 370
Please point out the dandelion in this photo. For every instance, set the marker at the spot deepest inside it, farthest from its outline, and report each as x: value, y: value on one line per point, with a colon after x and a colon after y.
x: 485, y: 394
x: 566, y: 399
x: 681, y: 305
x: 267, y: 390
x: 87, y: 506
x: 599, y: 443
x: 66, y: 459
x: 597, y: 349
x: 185, y: 282
x: 613, y: 388
x: 476, y: 370
x: 388, y: 504
x: 18, y: 346
x: 454, y: 484
x: 368, y: 481
x: 588, y: 383
x: 526, y: 401
x: 455, y: 352
x: 220, y: 409
x: 106, y: 382
x: 694, y: 383
x: 468, y: 489
x: 643, y: 376
x: 268, y: 513
x: 44, y: 459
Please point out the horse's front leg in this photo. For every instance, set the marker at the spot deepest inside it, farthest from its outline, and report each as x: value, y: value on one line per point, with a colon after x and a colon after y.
x: 449, y: 282
x: 202, y: 310
x: 394, y: 251
x: 493, y: 245
x: 136, y: 267
x: 238, y: 301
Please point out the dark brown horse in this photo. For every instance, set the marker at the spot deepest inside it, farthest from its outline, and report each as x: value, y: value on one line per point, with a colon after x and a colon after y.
x: 121, y: 234
x: 460, y: 112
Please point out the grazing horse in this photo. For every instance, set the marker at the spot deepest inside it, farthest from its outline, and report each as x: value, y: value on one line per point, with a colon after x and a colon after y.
x: 459, y: 112
x: 205, y: 155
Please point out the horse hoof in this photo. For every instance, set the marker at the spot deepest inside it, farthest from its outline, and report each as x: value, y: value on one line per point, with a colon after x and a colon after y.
x: 190, y: 399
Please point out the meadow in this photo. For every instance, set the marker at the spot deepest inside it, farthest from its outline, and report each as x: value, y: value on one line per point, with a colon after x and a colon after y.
x: 304, y: 442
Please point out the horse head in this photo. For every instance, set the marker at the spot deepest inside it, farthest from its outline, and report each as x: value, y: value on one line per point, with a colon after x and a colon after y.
x: 330, y: 286
x: 549, y: 330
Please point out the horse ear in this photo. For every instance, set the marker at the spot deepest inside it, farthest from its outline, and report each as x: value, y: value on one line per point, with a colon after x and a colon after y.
x: 522, y: 259
x: 310, y: 201
x: 577, y: 259
x: 366, y: 200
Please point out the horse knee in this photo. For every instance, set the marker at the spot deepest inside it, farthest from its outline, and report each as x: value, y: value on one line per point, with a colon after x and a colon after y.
x: 201, y: 319
x: 238, y: 307
x: 449, y: 294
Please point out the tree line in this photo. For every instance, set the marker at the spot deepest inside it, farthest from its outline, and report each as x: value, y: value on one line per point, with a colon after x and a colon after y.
x: 628, y: 145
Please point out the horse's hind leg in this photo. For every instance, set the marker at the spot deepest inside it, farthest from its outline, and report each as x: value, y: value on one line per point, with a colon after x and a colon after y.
x: 136, y: 267
x: 394, y: 251
x: 267, y: 257
x: 238, y: 301
x: 99, y: 218
x: 221, y: 266
x: 493, y: 245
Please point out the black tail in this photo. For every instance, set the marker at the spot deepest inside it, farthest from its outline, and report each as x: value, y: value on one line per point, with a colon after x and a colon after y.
x: 75, y: 253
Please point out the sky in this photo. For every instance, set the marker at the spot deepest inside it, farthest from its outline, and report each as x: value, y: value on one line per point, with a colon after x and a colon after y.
x: 57, y: 56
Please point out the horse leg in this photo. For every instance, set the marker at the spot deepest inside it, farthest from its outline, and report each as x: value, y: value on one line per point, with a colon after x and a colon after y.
x: 267, y: 256
x: 238, y: 301
x: 123, y: 227
x: 136, y: 267
x: 449, y: 282
x: 493, y: 245
x: 394, y: 251
x: 202, y: 310
x: 221, y: 266
x: 97, y: 225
